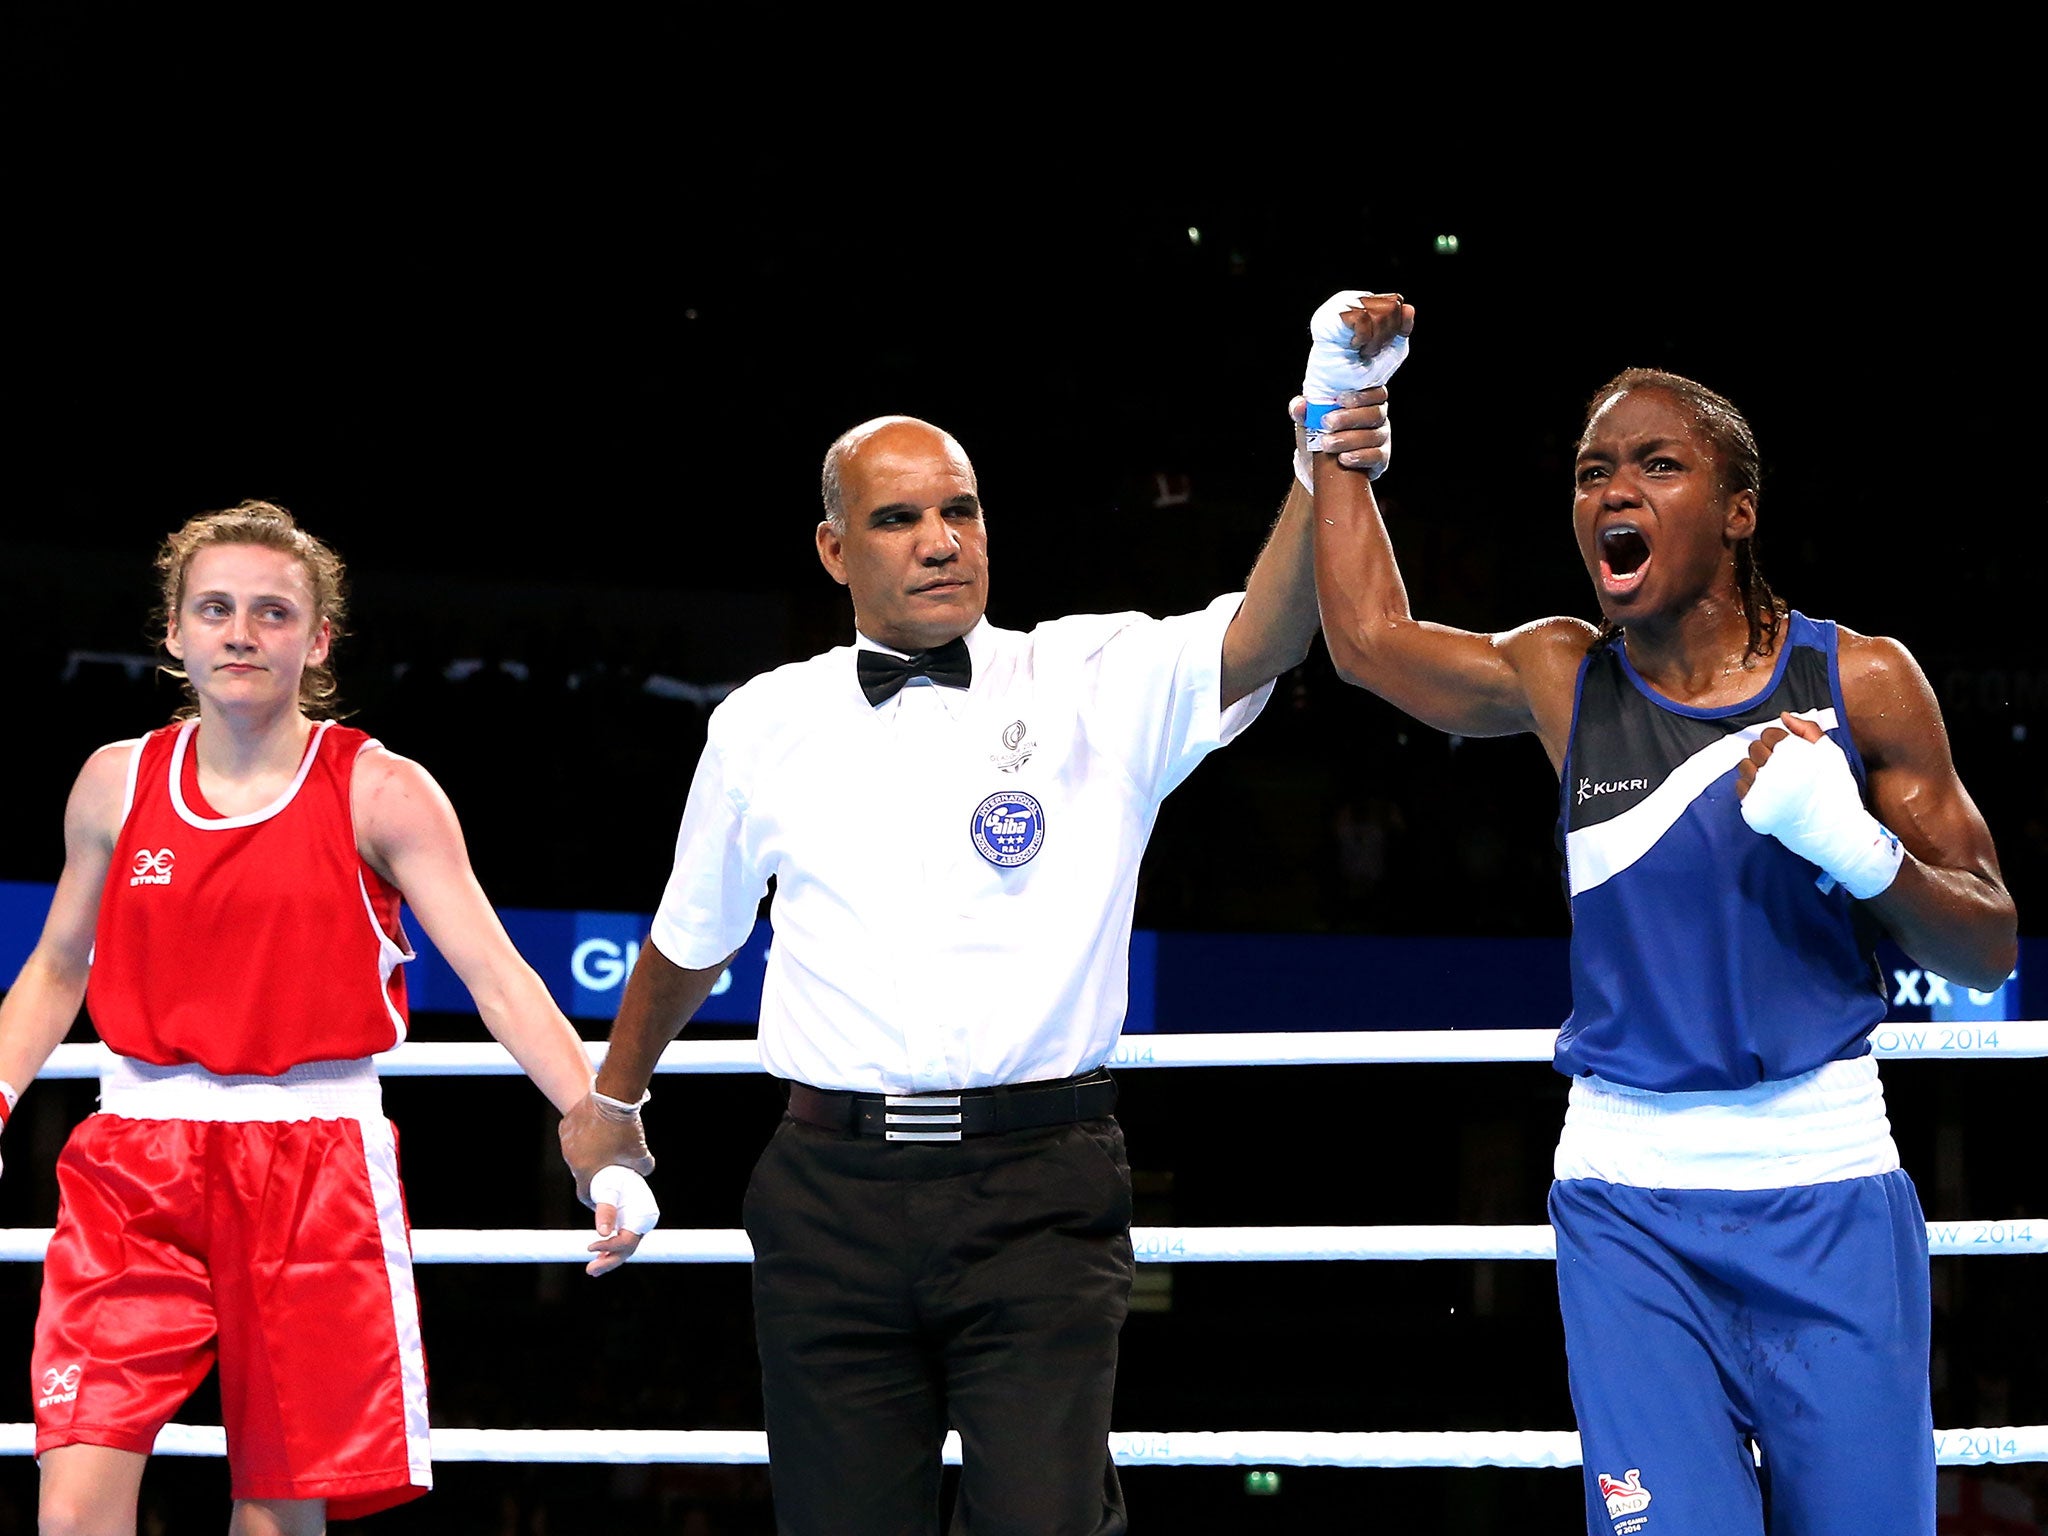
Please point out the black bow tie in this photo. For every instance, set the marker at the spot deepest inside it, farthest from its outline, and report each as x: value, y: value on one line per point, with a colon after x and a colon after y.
x: 882, y: 674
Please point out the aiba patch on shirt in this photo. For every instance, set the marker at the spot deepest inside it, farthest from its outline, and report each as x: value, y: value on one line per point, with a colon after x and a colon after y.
x: 1008, y: 829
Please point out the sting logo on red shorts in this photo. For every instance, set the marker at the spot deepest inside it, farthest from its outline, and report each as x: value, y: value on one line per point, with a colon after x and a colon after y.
x: 59, y: 1386
x: 152, y: 868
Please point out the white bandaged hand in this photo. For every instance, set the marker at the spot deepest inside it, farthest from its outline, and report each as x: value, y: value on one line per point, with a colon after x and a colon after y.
x: 626, y: 1193
x: 1335, y: 367
x: 1805, y: 796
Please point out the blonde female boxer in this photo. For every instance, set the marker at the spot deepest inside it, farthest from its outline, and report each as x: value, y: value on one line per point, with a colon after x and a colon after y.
x: 228, y: 913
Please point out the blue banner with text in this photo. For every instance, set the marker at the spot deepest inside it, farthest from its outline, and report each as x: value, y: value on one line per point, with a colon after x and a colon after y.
x: 1180, y: 982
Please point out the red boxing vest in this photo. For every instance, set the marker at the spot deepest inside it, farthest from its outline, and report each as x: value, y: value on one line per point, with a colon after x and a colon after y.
x: 245, y: 944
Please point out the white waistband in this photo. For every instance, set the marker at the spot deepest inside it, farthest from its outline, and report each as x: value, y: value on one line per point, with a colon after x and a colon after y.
x: 1825, y: 1125
x: 313, y: 1090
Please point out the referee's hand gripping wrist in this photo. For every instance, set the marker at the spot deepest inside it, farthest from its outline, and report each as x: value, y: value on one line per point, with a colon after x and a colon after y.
x: 1796, y: 786
x: 599, y: 1131
x: 1356, y: 430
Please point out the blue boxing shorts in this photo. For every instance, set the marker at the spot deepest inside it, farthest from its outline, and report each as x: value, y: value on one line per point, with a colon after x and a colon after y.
x: 1698, y: 1321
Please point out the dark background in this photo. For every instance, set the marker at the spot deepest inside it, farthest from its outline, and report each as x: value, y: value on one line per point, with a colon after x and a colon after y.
x: 546, y: 329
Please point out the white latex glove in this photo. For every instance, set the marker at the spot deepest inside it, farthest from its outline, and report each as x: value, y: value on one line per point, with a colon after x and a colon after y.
x: 1381, y: 437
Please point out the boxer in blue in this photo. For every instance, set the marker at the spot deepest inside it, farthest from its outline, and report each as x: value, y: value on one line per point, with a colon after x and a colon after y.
x: 1746, y: 796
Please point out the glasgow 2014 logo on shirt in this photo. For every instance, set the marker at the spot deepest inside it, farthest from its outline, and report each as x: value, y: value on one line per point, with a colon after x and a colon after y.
x: 1008, y: 829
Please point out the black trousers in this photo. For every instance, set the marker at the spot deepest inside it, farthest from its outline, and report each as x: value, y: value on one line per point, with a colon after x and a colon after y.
x: 902, y: 1287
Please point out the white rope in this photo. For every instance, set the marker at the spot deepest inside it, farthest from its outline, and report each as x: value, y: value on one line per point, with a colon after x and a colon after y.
x: 1154, y: 1245
x: 1136, y: 1448
x: 1367, y: 1047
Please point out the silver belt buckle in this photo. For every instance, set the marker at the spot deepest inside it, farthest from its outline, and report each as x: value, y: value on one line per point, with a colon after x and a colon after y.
x: 921, y: 1109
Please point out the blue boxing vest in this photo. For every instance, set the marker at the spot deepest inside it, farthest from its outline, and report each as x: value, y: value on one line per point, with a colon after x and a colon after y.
x: 1704, y: 955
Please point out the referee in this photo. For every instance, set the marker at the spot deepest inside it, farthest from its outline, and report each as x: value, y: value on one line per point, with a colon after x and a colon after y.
x: 953, y: 816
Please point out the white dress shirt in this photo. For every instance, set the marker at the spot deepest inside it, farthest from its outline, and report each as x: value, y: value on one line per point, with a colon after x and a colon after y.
x: 904, y: 959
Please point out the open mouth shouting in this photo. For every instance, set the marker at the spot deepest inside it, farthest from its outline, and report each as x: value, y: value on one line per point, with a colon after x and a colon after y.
x: 1624, y: 559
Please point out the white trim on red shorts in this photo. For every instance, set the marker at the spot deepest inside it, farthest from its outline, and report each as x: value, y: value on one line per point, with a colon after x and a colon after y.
x: 380, y: 1152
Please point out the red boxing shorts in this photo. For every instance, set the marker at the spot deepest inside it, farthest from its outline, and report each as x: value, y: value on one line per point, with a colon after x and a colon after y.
x: 277, y: 1245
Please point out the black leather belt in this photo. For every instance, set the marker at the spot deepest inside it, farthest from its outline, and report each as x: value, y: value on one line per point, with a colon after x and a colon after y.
x: 963, y: 1112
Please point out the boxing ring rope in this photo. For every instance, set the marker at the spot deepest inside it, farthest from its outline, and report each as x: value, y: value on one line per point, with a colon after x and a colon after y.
x: 1302, y: 1048
x: 1173, y: 1245
x: 1152, y: 1245
x: 1534, y: 1448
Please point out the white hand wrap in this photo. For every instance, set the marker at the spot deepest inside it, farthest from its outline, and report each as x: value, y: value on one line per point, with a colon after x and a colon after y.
x: 1806, y: 797
x: 627, y: 1193
x: 1334, y: 366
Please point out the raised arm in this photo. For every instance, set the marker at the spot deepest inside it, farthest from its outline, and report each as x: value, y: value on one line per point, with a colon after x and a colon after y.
x: 1273, y: 628
x: 407, y: 831
x: 44, y: 1001
x: 1453, y: 679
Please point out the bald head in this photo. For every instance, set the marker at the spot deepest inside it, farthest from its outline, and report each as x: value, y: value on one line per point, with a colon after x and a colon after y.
x: 882, y: 434
x: 903, y: 532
